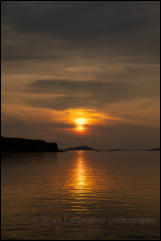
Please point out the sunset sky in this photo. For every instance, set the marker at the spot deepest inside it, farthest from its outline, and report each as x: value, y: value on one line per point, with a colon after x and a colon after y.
x: 82, y: 73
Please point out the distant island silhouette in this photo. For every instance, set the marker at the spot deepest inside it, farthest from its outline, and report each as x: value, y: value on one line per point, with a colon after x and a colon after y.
x: 80, y: 148
x: 27, y: 145
x: 87, y: 148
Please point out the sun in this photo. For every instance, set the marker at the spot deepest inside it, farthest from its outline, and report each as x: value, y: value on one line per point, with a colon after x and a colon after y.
x: 80, y: 128
x: 84, y: 121
x: 81, y: 121
x: 80, y: 124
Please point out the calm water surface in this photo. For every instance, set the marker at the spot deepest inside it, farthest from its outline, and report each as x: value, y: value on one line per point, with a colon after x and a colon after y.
x: 81, y: 195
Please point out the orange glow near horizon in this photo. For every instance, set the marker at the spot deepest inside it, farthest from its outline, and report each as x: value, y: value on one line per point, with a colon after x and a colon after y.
x: 82, y: 121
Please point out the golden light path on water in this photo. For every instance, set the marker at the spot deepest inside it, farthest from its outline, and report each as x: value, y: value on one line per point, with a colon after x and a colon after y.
x: 84, y: 183
x: 81, y: 183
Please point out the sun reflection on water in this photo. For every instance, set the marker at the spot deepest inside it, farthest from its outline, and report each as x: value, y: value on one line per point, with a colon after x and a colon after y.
x: 87, y: 182
x: 80, y: 183
x: 81, y: 178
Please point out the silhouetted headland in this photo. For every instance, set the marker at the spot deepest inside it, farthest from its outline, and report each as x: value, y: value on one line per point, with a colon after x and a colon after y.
x: 27, y: 145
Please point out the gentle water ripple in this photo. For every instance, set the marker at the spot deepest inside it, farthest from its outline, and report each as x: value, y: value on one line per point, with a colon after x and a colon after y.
x: 42, y: 193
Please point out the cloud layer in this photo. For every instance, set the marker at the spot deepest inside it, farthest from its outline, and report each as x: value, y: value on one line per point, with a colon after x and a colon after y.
x: 102, y: 56
x: 63, y: 94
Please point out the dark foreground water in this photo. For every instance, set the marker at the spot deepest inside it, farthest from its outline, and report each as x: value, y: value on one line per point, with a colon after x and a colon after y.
x: 81, y: 195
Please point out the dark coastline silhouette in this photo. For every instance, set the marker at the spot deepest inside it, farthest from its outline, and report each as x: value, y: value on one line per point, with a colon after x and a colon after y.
x: 27, y: 145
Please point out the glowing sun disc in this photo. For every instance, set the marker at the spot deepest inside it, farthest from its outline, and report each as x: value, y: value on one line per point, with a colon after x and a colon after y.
x: 80, y: 128
x: 81, y: 121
